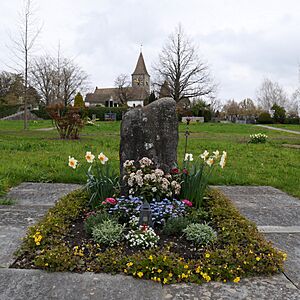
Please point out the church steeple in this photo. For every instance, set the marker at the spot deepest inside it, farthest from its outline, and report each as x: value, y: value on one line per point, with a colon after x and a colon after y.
x: 140, y: 68
x: 140, y: 76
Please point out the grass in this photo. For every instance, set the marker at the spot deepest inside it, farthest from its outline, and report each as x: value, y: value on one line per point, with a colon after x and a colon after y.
x: 6, y: 201
x: 40, y: 156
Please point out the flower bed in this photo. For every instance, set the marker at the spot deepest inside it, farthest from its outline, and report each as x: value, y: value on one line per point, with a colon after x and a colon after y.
x: 59, y: 243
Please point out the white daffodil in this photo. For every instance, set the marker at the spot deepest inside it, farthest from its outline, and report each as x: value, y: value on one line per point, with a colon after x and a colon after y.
x: 73, y: 162
x: 216, y: 154
x: 188, y: 157
x: 223, y: 159
x: 89, y: 157
x: 210, y: 161
x: 204, y: 155
x: 103, y: 159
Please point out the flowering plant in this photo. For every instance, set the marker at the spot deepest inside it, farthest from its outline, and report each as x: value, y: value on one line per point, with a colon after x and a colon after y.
x: 102, y: 180
x: 197, y: 173
x: 144, y: 237
x: 144, y: 180
x: 127, y: 210
x: 258, y: 138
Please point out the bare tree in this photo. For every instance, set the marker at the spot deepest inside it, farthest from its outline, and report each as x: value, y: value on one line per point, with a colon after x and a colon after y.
x: 124, y: 90
x: 23, y: 46
x: 231, y: 109
x: 270, y: 93
x: 187, y: 75
x: 42, y: 77
x: 71, y: 78
x: 248, y: 108
x: 57, y: 79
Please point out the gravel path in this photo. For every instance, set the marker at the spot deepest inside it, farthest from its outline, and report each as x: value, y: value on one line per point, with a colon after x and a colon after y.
x: 279, y: 129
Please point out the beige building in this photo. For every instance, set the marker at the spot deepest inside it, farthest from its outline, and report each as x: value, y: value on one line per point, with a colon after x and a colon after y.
x: 135, y: 94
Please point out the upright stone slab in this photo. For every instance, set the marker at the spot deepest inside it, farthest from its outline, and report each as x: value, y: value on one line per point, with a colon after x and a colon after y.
x: 151, y: 131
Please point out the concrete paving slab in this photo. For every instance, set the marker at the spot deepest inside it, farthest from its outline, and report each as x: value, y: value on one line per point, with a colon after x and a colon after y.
x: 279, y: 229
x: 32, y: 201
x: 258, y: 288
x: 31, y: 193
x: 36, y: 285
x: 10, y: 240
x: 289, y: 243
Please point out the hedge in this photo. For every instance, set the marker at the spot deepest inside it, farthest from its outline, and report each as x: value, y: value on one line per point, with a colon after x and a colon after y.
x: 7, y: 110
x: 101, y: 111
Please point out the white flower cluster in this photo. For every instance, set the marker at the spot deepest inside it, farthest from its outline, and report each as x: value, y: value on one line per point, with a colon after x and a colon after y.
x: 150, y: 181
x: 258, y: 138
x: 210, y: 160
x: 142, y: 238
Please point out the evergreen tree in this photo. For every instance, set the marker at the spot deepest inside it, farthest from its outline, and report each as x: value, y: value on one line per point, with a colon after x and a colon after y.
x: 78, y: 102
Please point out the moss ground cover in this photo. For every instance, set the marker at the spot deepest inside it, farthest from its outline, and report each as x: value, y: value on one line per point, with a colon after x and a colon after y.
x: 40, y: 156
x: 56, y: 243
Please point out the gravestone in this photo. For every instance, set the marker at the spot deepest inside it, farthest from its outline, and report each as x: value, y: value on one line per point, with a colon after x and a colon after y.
x: 151, y: 131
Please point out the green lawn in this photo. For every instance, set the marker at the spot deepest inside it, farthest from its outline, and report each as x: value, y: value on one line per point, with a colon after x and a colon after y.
x: 36, y: 155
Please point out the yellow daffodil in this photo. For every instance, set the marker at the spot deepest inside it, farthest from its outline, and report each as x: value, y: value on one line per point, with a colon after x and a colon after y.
x: 89, y: 157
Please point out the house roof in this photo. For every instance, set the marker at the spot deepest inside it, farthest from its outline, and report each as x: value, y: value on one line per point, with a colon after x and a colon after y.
x: 140, y: 68
x: 101, y: 95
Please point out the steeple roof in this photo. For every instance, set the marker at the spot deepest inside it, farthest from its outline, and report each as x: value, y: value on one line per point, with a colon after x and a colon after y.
x: 140, y: 68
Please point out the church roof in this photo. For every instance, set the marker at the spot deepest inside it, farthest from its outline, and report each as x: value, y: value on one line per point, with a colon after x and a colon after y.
x: 140, y: 68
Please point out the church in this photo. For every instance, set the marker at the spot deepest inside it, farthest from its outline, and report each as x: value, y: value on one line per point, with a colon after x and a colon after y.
x: 136, y: 93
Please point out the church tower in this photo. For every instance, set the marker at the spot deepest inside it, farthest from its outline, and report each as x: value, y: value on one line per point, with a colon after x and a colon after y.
x: 140, y: 76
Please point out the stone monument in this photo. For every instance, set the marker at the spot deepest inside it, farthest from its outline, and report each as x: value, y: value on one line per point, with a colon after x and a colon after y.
x: 151, y: 131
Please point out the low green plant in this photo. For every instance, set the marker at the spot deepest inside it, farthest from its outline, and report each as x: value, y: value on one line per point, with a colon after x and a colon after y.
x: 102, y: 179
x: 196, y: 174
x: 109, y: 232
x: 6, y: 201
x: 175, y: 226
x: 102, y: 183
x: 200, y: 234
x: 258, y: 138
x: 198, y: 216
x: 94, y: 219
x: 142, y: 238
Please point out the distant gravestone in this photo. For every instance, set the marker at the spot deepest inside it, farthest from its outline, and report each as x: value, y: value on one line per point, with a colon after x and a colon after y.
x: 151, y: 131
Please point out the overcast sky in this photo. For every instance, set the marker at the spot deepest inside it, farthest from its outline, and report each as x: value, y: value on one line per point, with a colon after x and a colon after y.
x: 244, y: 41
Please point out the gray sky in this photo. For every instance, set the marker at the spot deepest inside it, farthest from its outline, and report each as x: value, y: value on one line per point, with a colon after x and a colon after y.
x: 243, y: 41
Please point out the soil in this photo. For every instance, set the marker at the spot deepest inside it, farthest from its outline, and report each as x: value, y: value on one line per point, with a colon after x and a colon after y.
x: 78, y: 237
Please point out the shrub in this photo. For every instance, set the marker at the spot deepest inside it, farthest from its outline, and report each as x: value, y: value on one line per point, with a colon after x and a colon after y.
x: 175, y: 226
x: 142, y: 238
x: 279, y: 114
x: 109, y: 232
x: 78, y: 101
x: 258, y: 138
x: 7, y: 110
x: 198, y: 216
x: 42, y: 113
x: 101, y: 111
x: 68, y: 120
x: 200, y: 234
x: 265, y: 118
x: 94, y: 219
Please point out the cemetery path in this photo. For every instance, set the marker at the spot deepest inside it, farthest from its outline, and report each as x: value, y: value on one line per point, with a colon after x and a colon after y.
x: 279, y: 129
x: 276, y: 214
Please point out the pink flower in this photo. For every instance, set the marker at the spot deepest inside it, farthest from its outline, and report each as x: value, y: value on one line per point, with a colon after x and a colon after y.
x: 187, y: 202
x: 112, y: 201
